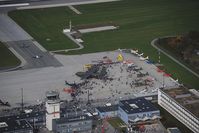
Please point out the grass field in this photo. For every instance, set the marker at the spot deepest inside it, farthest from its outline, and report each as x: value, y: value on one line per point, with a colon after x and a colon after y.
x: 7, y: 58
x: 140, y: 21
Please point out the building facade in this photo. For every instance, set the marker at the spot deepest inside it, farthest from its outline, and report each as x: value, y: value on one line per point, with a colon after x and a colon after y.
x: 183, y: 104
x: 107, y: 111
x: 80, y: 124
x: 138, y: 109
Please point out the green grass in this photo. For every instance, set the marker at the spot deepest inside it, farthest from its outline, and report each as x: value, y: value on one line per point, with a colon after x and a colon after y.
x: 7, y: 58
x: 140, y: 21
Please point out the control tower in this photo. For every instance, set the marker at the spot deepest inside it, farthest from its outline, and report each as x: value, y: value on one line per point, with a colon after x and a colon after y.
x: 52, y: 108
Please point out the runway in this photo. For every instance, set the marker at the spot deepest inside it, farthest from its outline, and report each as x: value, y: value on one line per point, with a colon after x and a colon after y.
x: 28, y: 50
x: 15, y: 37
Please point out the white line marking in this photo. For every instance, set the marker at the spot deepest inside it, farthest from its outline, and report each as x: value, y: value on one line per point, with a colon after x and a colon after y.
x: 13, y: 5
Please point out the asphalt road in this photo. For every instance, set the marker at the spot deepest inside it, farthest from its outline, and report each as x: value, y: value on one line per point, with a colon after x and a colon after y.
x: 28, y: 50
x: 10, y: 31
x: 14, y: 36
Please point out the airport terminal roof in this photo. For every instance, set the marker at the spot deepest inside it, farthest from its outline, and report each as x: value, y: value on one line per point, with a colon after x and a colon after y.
x: 137, y: 105
x: 189, y: 99
x: 107, y: 108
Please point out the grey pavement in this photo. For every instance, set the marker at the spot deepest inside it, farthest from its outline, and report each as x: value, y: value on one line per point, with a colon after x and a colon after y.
x: 28, y: 50
x: 23, y: 46
x: 171, y: 57
x: 58, y: 3
x: 10, y: 31
x: 36, y: 82
x: 97, y: 29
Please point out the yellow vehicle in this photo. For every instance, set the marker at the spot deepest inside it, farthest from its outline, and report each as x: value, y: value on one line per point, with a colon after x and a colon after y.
x: 120, y: 57
x: 87, y: 66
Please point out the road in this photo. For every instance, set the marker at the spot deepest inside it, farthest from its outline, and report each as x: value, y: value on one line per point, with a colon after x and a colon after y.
x: 175, y: 60
x: 28, y: 50
x: 24, y: 45
x: 32, y: 4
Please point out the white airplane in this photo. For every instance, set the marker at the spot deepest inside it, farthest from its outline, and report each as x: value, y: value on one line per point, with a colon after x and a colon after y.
x: 143, y: 91
x: 142, y: 58
x: 134, y: 52
x: 37, y: 56
x: 120, y: 50
x: 140, y: 54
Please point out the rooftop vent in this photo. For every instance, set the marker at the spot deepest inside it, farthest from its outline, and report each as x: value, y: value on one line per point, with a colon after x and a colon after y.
x: 3, y: 124
x: 134, y: 106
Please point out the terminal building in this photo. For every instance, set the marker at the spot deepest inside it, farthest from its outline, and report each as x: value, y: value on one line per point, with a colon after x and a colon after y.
x: 15, y: 126
x: 107, y: 111
x: 22, y: 123
x: 137, y: 110
x: 73, y: 124
x: 57, y: 124
x: 182, y: 103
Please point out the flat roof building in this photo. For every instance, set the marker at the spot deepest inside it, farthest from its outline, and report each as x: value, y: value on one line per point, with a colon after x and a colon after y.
x: 138, y: 109
x: 182, y: 103
x: 34, y: 119
x: 107, y: 111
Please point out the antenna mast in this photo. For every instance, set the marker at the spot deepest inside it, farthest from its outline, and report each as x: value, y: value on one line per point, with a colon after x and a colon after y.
x: 22, y: 103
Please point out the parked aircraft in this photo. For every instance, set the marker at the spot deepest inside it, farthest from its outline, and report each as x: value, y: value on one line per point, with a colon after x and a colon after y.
x: 140, y: 54
x: 142, y: 58
x: 134, y: 52
x: 37, y: 56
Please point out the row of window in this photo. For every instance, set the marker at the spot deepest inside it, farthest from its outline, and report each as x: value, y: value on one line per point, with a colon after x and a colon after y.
x: 186, y: 120
x: 180, y: 108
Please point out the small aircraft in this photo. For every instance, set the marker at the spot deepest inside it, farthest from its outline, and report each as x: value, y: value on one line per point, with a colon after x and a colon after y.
x: 120, y: 50
x: 134, y: 52
x: 140, y: 54
x: 142, y: 58
x: 4, y: 103
x: 37, y: 56
x: 143, y: 91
